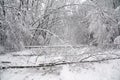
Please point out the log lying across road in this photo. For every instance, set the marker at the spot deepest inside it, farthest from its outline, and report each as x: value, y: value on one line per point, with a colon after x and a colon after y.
x: 56, y: 64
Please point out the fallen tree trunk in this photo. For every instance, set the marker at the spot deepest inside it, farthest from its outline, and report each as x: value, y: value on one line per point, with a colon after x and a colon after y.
x: 56, y: 64
x: 56, y: 46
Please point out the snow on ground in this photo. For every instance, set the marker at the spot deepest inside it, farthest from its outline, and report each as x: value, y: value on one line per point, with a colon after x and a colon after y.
x: 97, y: 71
x: 103, y: 71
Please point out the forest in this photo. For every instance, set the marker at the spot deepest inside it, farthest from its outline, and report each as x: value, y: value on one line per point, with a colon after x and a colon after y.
x: 59, y: 35
x: 25, y: 23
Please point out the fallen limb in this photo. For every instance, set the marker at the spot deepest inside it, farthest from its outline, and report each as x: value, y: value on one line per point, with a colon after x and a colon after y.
x: 56, y: 64
x: 55, y: 46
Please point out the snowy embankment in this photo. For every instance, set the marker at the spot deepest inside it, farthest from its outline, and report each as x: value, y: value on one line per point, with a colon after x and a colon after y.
x: 109, y: 70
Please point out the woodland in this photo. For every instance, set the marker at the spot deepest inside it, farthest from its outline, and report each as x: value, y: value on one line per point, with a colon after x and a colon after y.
x: 57, y: 38
x: 25, y: 23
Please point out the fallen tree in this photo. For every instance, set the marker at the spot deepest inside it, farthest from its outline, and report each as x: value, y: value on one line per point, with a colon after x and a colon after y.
x: 58, y: 64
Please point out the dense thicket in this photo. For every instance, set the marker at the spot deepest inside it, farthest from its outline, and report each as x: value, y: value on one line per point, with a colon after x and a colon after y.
x: 47, y: 22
